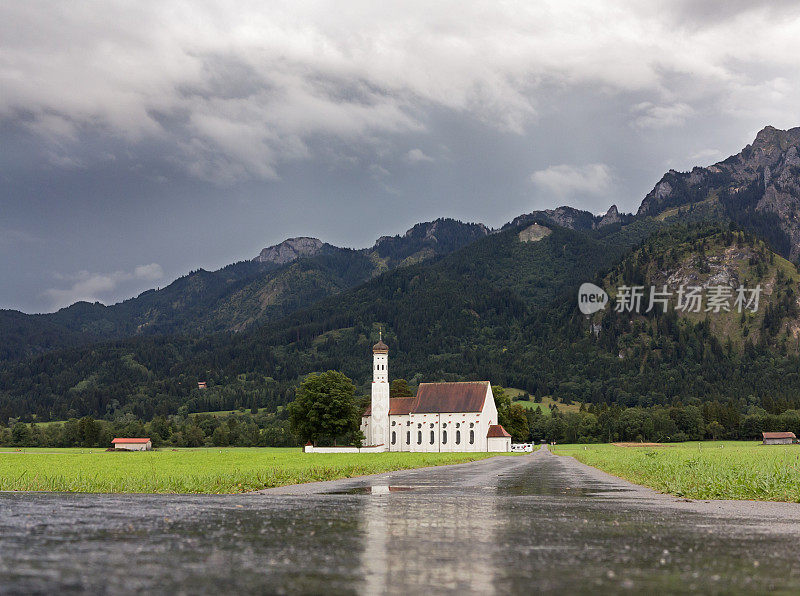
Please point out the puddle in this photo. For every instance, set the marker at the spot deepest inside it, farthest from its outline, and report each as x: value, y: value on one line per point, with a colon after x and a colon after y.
x: 377, y: 489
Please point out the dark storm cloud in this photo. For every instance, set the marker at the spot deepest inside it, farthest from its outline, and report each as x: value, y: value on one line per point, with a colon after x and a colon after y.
x: 170, y: 136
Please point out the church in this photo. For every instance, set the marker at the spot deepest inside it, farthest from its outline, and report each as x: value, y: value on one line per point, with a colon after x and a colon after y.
x: 442, y: 416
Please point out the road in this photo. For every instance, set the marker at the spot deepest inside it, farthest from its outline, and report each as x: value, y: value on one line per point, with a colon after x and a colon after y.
x: 506, y: 525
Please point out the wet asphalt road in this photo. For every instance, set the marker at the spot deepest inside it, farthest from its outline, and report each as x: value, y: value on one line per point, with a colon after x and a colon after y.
x: 506, y: 525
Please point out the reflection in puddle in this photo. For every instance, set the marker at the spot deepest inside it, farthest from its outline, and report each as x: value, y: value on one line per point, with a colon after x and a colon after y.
x: 377, y: 489
x: 422, y: 544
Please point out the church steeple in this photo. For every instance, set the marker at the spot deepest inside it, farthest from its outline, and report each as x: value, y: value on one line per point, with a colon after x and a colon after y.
x: 379, y: 423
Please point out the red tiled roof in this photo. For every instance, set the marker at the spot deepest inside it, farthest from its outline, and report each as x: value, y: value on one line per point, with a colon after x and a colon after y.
x: 398, y: 406
x: 130, y: 441
x: 440, y: 398
x: 778, y: 435
x: 436, y: 398
x: 497, y: 431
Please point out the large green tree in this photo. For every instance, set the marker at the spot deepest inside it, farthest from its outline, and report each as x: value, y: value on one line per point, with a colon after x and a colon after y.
x: 326, y: 409
x: 503, y: 402
x: 517, y: 423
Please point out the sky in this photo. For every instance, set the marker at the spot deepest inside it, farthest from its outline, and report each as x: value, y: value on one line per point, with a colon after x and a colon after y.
x: 142, y: 140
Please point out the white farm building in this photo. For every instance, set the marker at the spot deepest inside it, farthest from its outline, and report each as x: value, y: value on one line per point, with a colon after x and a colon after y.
x: 442, y: 416
x: 132, y: 444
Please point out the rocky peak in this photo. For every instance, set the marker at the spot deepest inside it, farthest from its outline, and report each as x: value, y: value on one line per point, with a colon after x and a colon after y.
x: 290, y: 250
x: 762, y: 180
x: 566, y: 217
x: 611, y: 217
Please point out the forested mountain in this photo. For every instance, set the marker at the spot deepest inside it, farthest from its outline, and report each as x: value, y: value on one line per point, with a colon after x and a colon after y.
x: 501, y: 308
x: 459, y: 302
x: 280, y: 280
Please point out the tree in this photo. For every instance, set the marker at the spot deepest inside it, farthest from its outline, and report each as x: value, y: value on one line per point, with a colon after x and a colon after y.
x: 503, y: 402
x: 517, y: 419
x: 399, y: 388
x: 326, y: 409
x: 20, y: 435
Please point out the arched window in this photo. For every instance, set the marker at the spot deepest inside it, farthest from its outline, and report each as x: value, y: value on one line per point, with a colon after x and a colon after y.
x: 419, y: 438
x: 458, y: 437
x: 408, y: 438
x: 433, y: 437
x: 394, y: 437
x: 444, y: 437
x: 472, y: 437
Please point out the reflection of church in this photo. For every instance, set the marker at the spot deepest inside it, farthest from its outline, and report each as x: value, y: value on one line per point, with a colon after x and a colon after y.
x: 442, y: 416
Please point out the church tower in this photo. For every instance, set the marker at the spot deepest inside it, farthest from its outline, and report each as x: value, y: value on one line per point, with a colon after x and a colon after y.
x: 379, y: 419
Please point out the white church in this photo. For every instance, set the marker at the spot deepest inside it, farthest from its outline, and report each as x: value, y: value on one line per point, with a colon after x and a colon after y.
x: 442, y: 416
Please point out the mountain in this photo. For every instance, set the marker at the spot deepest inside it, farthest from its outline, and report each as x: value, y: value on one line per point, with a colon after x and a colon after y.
x: 476, y: 296
x: 571, y: 218
x: 281, y: 279
x: 759, y: 188
x: 458, y: 302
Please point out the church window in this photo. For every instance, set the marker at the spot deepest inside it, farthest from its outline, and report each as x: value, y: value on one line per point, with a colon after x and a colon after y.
x: 444, y: 425
x: 394, y: 437
x: 458, y: 437
x: 433, y: 437
x: 431, y: 424
x: 393, y: 422
x: 472, y: 437
x: 471, y: 424
x: 444, y: 437
x: 419, y: 438
x: 458, y: 425
x: 419, y: 425
x: 408, y: 437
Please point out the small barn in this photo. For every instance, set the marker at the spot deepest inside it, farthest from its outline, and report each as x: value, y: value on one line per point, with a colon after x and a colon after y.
x: 778, y: 438
x: 142, y: 444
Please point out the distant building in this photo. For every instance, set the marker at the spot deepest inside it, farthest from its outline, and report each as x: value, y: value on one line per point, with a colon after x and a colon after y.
x: 201, y: 384
x: 132, y: 444
x: 442, y: 416
x: 778, y: 438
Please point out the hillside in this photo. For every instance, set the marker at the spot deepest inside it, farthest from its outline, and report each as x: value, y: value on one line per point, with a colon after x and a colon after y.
x: 280, y: 280
x: 708, y: 256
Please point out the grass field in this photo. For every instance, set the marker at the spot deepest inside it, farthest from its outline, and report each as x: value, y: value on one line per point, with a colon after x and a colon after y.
x: 708, y: 470
x: 229, y: 470
x: 546, y: 403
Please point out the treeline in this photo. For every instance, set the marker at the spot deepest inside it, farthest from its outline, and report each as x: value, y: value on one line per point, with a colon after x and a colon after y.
x: 237, y: 429
x: 608, y: 424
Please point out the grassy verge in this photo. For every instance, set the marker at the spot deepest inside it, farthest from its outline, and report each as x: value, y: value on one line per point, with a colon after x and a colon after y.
x: 229, y: 470
x: 708, y: 470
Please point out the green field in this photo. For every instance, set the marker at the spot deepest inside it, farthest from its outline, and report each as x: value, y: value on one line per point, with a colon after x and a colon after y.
x: 708, y: 470
x: 546, y: 404
x: 228, y: 470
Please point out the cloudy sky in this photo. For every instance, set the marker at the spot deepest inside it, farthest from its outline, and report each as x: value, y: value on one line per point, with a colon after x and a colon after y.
x: 141, y: 140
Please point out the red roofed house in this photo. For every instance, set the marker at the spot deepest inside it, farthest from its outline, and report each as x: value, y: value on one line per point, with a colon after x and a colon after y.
x: 778, y: 438
x: 498, y: 438
x: 132, y: 444
x: 442, y: 416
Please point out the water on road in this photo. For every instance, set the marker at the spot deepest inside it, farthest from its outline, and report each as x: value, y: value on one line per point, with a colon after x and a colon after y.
x: 506, y: 525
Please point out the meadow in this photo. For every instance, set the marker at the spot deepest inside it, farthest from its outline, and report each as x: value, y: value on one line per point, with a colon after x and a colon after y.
x: 211, y: 470
x: 707, y: 470
x: 546, y: 404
